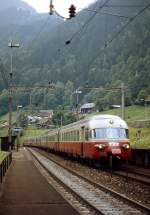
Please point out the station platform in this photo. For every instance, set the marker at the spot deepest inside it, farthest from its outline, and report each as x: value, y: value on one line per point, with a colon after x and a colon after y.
x: 26, y: 191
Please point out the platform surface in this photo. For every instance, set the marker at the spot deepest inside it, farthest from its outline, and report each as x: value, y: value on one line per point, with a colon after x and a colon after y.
x: 26, y: 191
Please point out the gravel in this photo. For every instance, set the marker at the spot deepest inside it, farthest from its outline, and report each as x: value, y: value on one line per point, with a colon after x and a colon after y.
x: 133, y: 190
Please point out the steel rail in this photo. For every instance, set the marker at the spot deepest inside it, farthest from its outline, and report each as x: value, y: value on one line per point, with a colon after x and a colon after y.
x: 134, y: 176
x: 92, y: 208
x: 117, y: 195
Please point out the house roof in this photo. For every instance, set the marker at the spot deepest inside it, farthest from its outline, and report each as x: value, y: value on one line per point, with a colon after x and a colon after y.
x: 88, y: 105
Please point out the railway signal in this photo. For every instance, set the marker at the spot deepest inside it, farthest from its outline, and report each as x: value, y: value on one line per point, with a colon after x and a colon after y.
x: 72, y: 11
x: 51, y: 7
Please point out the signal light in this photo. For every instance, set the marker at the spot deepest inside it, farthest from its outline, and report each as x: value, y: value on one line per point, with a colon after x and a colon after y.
x: 51, y: 7
x: 72, y: 11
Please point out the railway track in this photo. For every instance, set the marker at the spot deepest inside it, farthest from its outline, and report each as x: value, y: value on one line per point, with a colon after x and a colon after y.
x: 135, y: 174
x: 95, y: 199
x: 140, y: 171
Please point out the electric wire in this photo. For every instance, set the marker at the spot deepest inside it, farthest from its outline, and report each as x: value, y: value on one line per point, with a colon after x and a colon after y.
x: 105, y: 4
x: 38, y: 33
x: 107, y: 13
x: 84, y: 26
x: 89, y: 20
x: 118, y: 33
x: 124, y: 6
x: 130, y: 20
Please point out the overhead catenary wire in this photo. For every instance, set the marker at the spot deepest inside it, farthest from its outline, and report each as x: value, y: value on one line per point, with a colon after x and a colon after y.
x: 84, y: 26
x: 37, y: 35
x: 118, y: 33
x: 105, y: 4
x: 106, y: 13
x: 125, y: 6
x: 90, y: 19
x: 130, y: 20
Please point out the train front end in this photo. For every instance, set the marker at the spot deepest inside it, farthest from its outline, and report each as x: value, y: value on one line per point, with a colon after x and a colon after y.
x: 109, y: 137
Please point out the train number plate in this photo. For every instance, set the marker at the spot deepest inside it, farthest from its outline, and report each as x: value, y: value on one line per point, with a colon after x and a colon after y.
x: 116, y: 151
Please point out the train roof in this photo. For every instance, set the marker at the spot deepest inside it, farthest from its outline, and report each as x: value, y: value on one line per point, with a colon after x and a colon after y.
x: 106, y: 119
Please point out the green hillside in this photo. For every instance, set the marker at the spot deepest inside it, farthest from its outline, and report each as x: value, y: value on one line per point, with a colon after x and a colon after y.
x: 132, y: 113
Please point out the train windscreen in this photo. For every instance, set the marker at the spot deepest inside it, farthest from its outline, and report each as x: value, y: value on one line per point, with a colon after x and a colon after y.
x: 109, y: 133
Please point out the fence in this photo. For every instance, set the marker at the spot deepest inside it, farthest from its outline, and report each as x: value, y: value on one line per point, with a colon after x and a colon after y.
x: 4, y: 165
x: 141, y: 157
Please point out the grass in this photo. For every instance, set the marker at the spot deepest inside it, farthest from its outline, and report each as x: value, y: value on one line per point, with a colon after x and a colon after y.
x: 2, y: 155
x: 140, y: 138
x: 5, y: 117
x: 132, y: 113
x: 32, y: 131
x: 3, y: 132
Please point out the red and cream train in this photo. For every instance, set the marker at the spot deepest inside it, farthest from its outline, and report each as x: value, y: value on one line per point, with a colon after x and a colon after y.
x: 93, y: 138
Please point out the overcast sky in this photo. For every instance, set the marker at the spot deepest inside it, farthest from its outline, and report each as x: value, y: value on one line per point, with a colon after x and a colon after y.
x: 60, y: 5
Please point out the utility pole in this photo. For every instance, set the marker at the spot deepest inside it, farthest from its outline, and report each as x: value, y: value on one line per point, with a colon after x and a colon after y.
x: 11, y: 45
x: 77, y: 92
x: 145, y: 108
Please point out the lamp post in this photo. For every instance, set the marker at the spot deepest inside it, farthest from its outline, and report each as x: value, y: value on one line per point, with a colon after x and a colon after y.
x: 77, y: 92
x: 145, y: 105
x: 11, y: 45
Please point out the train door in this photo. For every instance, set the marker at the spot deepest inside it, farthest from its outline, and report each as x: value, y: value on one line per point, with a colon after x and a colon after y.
x: 82, y: 140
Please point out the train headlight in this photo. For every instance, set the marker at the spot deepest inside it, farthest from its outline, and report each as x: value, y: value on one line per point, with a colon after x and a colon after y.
x: 126, y: 146
x: 100, y: 146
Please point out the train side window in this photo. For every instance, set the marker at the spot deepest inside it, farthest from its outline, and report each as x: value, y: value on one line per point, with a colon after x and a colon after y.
x: 127, y: 133
x: 83, y: 133
x: 72, y: 135
x: 78, y: 135
x: 67, y: 136
x: 92, y: 134
x: 86, y: 134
